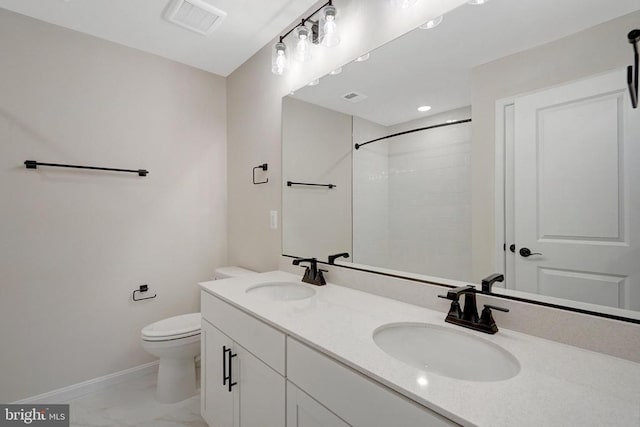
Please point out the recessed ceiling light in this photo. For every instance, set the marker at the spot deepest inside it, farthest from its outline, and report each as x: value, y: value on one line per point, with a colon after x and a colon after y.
x: 336, y: 71
x: 315, y: 82
x: 432, y: 24
x: 477, y: 1
x: 403, y: 4
x: 363, y: 57
x: 424, y: 108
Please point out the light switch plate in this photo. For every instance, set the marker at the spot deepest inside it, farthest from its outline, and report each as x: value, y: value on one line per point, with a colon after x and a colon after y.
x: 273, y: 220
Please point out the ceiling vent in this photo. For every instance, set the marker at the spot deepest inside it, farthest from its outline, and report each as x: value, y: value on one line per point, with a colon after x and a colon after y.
x: 354, y: 97
x: 195, y: 15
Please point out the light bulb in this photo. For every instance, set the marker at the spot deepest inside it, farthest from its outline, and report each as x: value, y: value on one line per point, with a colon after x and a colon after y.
x: 363, y: 57
x: 477, y: 1
x: 279, y: 59
x: 315, y: 82
x: 336, y: 71
x: 303, y: 47
x: 424, y: 108
x: 328, y: 27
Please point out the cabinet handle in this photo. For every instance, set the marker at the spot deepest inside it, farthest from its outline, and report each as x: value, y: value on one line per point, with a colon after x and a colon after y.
x: 225, y: 378
x: 230, y: 378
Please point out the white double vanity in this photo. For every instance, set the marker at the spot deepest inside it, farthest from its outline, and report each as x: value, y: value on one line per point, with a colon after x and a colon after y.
x: 278, y: 352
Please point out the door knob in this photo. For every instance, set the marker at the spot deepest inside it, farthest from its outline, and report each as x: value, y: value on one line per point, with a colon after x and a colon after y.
x: 512, y: 248
x: 526, y: 252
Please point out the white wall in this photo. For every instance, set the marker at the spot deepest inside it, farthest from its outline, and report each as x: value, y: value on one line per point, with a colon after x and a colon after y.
x: 75, y: 244
x: 595, y: 50
x: 254, y: 110
x: 316, y: 221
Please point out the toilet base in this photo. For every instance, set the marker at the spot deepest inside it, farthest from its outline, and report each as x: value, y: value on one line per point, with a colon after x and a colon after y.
x: 176, y: 379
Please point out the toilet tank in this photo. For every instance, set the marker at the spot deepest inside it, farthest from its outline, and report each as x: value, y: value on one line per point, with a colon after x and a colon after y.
x: 232, y: 271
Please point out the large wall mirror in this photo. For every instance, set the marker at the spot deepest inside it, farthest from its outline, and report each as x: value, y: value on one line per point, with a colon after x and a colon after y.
x: 497, y: 138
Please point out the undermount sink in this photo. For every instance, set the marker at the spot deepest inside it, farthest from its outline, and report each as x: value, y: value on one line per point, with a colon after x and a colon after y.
x: 282, y: 291
x: 447, y: 352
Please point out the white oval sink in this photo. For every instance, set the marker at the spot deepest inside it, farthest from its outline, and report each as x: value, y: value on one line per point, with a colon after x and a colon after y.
x: 446, y: 352
x: 282, y: 291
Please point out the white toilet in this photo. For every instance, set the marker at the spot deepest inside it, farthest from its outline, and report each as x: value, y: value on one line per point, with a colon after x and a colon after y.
x: 176, y: 341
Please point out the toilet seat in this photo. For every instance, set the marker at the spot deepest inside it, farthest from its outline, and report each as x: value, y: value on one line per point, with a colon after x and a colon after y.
x: 173, y: 328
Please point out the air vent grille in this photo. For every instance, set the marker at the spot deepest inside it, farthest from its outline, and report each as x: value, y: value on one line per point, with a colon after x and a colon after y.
x: 354, y: 97
x: 195, y: 15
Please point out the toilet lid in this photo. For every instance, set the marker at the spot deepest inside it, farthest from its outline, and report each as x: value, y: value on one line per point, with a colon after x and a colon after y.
x: 173, y: 327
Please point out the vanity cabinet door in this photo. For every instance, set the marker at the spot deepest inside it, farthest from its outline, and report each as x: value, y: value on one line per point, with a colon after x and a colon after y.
x: 217, y: 403
x: 261, y: 392
x: 303, y: 411
x: 256, y: 397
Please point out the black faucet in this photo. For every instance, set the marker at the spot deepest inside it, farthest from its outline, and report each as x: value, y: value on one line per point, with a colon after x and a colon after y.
x: 312, y: 274
x: 468, y: 317
x: 332, y: 258
x: 487, y: 282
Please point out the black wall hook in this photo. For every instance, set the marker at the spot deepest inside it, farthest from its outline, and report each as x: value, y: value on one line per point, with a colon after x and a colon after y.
x: 264, y: 167
x: 632, y: 70
x: 143, y: 288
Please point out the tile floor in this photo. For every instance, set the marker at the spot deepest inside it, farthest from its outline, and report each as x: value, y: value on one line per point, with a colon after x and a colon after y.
x: 133, y: 404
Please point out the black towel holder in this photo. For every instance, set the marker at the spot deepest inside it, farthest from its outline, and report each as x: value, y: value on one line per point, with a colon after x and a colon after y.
x: 32, y: 164
x: 291, y: 183
x: 264, y: 167
x: 141, y: 289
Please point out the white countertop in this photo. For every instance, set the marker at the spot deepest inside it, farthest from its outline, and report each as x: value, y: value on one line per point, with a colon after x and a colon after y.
x: 558, y: 385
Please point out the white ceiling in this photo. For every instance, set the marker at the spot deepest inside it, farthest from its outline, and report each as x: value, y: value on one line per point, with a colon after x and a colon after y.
x: 433, y: 67
x: 249, y: 25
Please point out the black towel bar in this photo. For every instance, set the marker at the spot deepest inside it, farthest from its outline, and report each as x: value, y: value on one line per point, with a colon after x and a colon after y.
x: 32, y: 164
x: 290, y: 183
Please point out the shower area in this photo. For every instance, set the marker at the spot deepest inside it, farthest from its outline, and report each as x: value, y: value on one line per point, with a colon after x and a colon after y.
x: 412, y: 195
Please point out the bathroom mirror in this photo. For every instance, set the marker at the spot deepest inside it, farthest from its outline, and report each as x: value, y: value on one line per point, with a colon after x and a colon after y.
x: 500, y: 138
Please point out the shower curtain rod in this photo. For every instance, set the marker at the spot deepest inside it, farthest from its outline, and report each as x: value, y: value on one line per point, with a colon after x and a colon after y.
x: 457, y: 122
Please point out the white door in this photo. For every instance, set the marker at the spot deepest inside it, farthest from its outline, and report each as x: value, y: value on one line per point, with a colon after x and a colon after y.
x: 577, y: 192
x: 303, y: 411
x: 217, y: 402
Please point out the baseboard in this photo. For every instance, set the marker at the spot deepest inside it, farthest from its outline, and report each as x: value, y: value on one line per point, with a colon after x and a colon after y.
x: 69, y: 393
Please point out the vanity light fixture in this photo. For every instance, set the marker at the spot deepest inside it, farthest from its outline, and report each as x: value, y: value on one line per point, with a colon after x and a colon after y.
x: 308, y: 32
x: 363, y: 57
x: 403, y: 4
x: 432, y: 23
x: 424, y: 108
